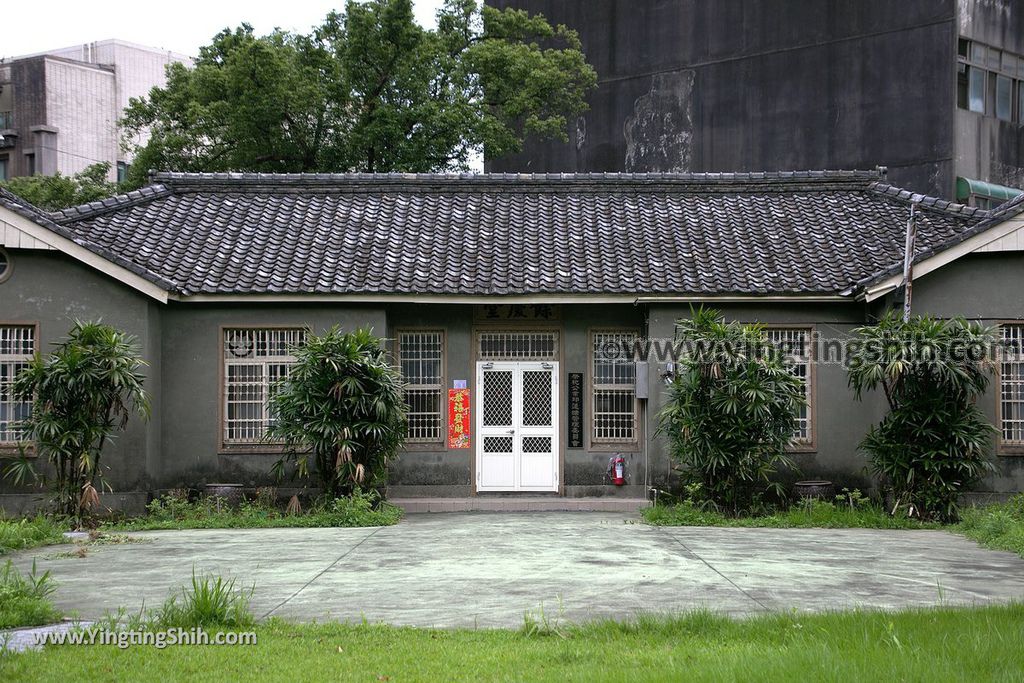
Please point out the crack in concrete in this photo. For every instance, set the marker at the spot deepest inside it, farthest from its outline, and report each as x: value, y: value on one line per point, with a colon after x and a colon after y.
x: 321, y: 573
x: 715, y: 570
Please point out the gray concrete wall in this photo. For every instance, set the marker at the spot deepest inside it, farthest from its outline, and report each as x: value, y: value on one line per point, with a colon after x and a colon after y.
x: 53, y: 290
x: 987, y: 148
x: 191, y: 361
x: 985, y: 287
x: 731, y: 85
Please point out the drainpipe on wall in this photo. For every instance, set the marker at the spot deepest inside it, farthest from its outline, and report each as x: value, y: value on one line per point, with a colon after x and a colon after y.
x: 908, y: 259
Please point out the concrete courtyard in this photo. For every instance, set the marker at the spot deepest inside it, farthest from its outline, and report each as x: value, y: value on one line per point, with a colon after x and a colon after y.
x: 486, y: 569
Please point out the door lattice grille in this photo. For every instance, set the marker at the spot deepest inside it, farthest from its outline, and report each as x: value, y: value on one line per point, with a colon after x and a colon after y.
x: 497, y: 398
x: 497, y: 444
x: 537, y: 398
x: 536, y: 444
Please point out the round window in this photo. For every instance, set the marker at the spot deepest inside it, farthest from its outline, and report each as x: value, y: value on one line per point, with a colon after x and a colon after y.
x: 5, y: 265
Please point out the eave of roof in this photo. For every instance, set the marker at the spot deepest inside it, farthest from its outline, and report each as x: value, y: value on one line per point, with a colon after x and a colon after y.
x: 992, y: 218
x: 36, y: 216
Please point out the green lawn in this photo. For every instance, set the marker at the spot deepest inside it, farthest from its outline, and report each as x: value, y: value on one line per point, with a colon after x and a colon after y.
x: 923, y: 645
x: 996, y: 526
x: 24, y: 597
x: 813, y: 514
x: 19, y: 534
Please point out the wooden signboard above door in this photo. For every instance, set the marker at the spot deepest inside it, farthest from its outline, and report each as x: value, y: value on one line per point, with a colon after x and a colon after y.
x: 514, y: 312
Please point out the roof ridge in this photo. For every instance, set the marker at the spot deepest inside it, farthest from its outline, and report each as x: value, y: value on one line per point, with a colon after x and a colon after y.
x: 926, y: 202
x: 185, y: 181
x: 118, y: 201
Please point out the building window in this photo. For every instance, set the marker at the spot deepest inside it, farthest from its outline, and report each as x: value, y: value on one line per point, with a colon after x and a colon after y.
x: 122, y: 171
x: 17, y: 345
x: 3, y: 168
x: 975, y: 89
x: 1020, y: 103
x: 421, y: 360
x: 795, y: 343
x: 986, y: 79
x: 613, y: 406
x: 255, y: 359
x: 518, y: 345
x: 1011, y: 386
x: 1004, y: 98
x: 30, y: 164
x: 5, y: 265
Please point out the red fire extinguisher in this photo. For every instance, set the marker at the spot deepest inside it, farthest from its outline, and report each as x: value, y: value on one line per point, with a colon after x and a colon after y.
x: 617, y: 470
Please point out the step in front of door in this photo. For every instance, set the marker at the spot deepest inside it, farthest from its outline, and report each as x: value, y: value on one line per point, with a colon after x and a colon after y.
x: 519, y: 504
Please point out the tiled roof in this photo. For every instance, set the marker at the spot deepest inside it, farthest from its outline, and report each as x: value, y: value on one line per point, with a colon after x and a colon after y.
x: 999, y: 214
x: 55, y: 223
x: 510, y: 234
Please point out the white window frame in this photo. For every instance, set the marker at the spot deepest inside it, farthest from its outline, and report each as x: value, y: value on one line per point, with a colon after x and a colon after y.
x: 1010, y: 376
x: 799, y: 442
x: 11, y: 360
x: 595, y: 440
x: 264, y: 361
x: 428, y: 387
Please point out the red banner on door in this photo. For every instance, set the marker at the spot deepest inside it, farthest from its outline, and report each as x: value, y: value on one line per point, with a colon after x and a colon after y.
x: 458, y: 418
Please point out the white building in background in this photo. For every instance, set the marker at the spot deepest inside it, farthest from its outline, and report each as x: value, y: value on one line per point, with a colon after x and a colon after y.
x: 59, y: 109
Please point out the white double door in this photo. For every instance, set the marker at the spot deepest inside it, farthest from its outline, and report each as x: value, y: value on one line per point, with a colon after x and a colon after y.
x: 517, y: 426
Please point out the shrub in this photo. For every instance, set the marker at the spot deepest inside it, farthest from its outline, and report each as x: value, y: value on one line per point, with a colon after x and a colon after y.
x: 935, y: 441
x: 25, y: 600
x: 342, y: 404
x: 209, y: 601
x: 731, y: 409
x: 82, y: 393
x: 362, y: 508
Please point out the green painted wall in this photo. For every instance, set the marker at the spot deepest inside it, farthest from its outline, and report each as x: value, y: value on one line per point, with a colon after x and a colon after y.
x: 54, y: 290
x: 841, y: 421
x: 989, y: 288
x: 191, y: 358
x: 181, y: 343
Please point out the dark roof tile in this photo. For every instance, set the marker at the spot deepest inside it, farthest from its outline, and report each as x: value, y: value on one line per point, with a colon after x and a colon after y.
x: 519, y: 234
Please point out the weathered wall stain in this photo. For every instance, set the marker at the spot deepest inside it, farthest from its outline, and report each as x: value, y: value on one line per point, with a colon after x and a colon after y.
x: 659, y: 133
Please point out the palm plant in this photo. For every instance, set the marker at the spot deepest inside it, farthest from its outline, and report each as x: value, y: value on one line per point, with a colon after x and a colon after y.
x: 935, y: 441
x: 341, y: 404
x: 81, y: 393
x: 731, y: 408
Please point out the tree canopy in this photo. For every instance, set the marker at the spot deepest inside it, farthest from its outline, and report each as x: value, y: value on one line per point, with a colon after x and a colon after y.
x: 61, y: 191
x: 368, y: 90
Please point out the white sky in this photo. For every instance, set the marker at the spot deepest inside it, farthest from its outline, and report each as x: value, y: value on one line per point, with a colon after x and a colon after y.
x: 182, y: 26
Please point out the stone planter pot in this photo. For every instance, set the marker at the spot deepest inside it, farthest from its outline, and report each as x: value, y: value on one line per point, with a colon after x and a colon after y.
x: 815, y: 488
x: 227, y: 495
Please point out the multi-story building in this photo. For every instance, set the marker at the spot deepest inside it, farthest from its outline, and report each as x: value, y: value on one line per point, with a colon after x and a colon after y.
x: 59, y: 109
x: 932, y: 89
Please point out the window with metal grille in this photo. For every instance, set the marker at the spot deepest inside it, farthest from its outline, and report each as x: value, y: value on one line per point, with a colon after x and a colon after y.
x: 518, y: 345
x: 421, y: 360
x: 17, y: 345
x: 255, y: 360
x: 614, y: 387
x: 1011, y: 385
x: 795, y: 343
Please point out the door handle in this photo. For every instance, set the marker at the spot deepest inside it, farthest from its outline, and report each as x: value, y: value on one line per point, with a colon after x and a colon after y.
x: 511, y: 431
